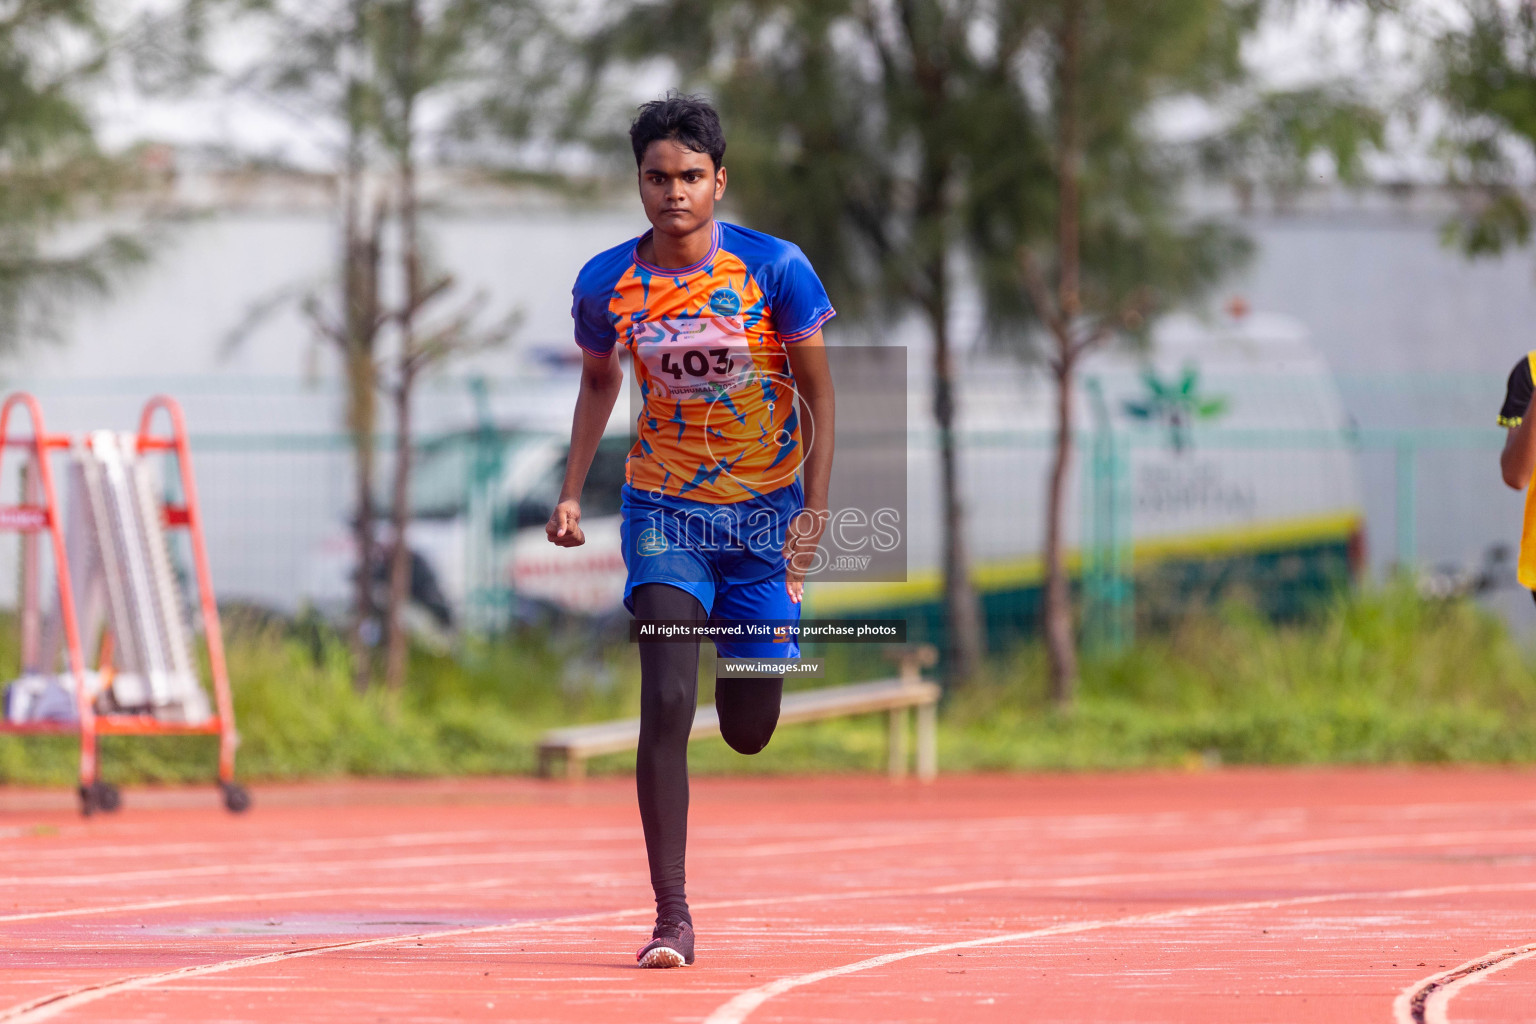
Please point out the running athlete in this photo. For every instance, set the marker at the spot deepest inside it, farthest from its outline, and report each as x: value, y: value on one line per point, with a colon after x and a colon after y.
x: 726, y: 490
x: 1518, y: 460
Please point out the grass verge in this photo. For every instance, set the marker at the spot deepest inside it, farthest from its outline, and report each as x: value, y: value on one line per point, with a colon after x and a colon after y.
x: 1378, y: 677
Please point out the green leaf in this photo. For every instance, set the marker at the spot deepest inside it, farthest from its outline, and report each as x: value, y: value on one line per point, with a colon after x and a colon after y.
x: 1211, y: 408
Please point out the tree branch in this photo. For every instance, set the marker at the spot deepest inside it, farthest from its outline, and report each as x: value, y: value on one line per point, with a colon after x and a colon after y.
x: 1039, y: 291
x: 408, y: 312
x: 1131, y: 314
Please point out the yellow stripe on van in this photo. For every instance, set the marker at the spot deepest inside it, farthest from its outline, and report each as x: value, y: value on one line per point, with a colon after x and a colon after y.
x: 1009, y: 574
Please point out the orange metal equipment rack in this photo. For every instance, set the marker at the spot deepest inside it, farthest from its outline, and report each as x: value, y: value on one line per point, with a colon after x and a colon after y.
x: 40, y: 512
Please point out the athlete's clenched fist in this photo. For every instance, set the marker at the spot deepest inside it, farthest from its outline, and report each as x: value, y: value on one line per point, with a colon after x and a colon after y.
x: 564, y: 526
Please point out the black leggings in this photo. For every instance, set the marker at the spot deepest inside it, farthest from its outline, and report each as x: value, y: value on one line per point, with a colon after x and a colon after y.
x: 669, y: 692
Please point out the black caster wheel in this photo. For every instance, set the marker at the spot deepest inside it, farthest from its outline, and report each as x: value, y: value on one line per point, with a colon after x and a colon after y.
x: 99, y: 796
x: 107, y: 797
x: 236, y: 798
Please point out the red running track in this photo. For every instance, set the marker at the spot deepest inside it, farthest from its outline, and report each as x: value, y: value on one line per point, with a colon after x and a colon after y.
x: 1231, y: 896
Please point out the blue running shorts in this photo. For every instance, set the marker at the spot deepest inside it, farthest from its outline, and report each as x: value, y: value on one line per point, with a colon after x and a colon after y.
x: 728, y: 556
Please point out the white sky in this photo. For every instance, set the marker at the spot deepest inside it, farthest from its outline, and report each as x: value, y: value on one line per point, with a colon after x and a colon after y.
x: 1321, y: 39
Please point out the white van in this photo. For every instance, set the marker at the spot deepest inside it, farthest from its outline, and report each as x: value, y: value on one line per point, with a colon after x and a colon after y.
x: 1219, y: 460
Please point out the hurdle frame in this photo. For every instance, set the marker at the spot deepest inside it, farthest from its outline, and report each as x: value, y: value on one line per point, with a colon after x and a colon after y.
x: 40, y: 511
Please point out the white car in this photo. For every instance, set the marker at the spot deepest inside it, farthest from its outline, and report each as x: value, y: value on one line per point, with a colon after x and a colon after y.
x: 479, y: 502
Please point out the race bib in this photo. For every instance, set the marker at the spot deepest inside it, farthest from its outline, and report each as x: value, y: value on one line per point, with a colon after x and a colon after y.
x: 700, y: 357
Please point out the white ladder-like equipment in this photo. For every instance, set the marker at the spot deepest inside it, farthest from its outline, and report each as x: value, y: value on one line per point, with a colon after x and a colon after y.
x: 116, y: 595
x: 120, y: 566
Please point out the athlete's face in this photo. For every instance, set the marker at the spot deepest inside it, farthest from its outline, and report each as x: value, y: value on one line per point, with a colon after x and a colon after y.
x: 679, y: 187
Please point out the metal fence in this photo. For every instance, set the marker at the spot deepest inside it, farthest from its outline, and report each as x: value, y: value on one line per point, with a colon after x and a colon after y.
x: 277, y: 502
x: 1430, y: 500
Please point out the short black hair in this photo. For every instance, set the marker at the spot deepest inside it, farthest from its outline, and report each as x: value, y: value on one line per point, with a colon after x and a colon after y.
x: 688, y: 120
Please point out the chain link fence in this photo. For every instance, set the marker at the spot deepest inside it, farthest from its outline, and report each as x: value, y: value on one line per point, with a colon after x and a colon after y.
x: 1157, y: 519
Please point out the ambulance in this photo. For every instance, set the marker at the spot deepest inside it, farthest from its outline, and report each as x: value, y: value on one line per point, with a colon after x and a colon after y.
x: 1216, y: 462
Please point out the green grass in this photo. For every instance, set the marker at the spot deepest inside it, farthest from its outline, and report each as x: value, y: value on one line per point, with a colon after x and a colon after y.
x: 1378, y: 677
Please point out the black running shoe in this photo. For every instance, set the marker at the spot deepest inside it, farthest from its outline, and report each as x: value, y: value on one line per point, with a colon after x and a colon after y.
x: 671, y: 945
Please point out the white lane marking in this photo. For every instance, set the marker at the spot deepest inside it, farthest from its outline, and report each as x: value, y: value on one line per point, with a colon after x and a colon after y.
x: 1181, y: 856
x: 44, y: 1007
x: 770, y: 850
x: 957, y: 887
x: 48, y: 1007
x: 387, y: 839
x: 1434, y: 993
x: 1298, y: 846
x: 741, y: 1006
x: 1043, y: 826
x: 297, y: 867
x: 259, y: 897
x: 876, y: 832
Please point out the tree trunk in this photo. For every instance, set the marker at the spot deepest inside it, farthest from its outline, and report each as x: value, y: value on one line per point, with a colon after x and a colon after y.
x: 1060, y: 642
x: 930, y: 285
x: 410, y: 254
x: 961, y: 606
x: 360, y: 425
x: 360, y: 316
x: 400, y: 556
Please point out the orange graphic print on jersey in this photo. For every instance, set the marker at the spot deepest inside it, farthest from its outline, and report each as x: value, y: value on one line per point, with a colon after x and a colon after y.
x: 720, y: 420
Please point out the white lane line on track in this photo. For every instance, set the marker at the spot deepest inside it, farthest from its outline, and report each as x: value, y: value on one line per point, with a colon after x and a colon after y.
x: 938, y: 890
x: 1211, y: 854
x: 1052, y: 828
x: 259, y: 897
x: 309, y: 867
x: 741, y: 1006
x: 1041, y: 827
x: 1428, y: 1000
x: 388, y: 839
x: 48, y: 1007
x: 1296, y: 846
x: 1193, y: 874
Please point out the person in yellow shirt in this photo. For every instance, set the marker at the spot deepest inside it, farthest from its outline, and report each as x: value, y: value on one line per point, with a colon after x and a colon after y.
x: 1518, y: 460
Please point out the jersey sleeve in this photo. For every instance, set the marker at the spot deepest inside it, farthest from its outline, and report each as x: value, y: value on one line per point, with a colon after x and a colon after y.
x: 591, y: 298
x: 594, y: 329
x: 798, y: 300
x: 1517, y: 394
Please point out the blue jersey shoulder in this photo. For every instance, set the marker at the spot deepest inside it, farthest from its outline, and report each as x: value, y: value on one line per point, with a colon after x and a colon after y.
x: 590, y: 298
x: 797, y: 301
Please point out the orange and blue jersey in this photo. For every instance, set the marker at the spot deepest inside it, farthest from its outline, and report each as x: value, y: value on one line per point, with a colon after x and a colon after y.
x: 720, y: 422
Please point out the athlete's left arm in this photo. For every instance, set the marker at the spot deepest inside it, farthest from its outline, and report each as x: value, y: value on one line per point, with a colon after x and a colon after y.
x: 818, y: 428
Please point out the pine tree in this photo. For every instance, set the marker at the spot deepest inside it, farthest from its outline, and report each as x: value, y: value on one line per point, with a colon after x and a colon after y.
x: 52, y: 55
x: 891, y: 138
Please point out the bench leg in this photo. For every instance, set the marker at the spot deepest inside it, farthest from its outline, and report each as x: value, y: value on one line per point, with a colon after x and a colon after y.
x: 927, y: 742
x: 896, y: 742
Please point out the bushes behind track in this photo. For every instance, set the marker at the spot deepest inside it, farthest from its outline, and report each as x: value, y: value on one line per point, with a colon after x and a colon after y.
x: 1378, y: 677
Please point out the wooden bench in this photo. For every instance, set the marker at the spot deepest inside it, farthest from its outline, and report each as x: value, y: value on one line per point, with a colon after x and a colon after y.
x: 900, y: 698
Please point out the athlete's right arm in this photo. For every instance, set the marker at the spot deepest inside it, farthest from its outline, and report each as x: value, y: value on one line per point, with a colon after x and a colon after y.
x: 601, y: 379
x: 1519, y: 456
